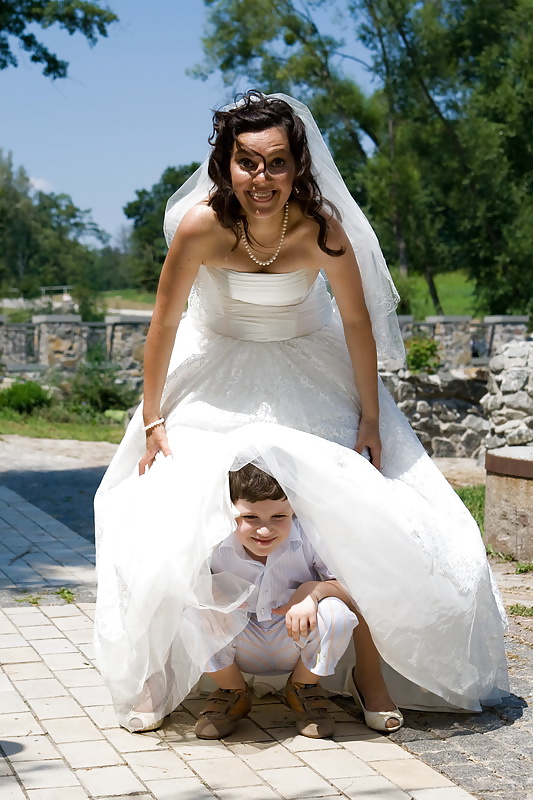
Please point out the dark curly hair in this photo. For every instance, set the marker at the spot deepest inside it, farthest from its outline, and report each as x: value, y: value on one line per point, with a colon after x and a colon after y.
x: 252, y: 484
x: 255, y: 113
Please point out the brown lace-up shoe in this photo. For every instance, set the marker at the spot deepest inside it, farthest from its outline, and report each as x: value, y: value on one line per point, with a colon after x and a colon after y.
x: 310, y: 706
x: 222, y: 713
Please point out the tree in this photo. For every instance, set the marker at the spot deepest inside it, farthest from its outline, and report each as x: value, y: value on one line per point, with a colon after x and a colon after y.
x: 440, y: 153
x: 74, y: 16
x: 43, y: 236
x: 148, y: 245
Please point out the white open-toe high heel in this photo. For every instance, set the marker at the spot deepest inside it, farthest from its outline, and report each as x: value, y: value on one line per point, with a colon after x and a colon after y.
x: 142, y: 721
x: 376, y: 720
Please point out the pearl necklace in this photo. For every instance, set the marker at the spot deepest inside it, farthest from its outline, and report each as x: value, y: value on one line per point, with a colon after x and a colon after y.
x: 246, y: 243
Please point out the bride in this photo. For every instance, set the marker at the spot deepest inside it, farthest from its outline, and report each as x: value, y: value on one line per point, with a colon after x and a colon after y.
x: 265, y: 367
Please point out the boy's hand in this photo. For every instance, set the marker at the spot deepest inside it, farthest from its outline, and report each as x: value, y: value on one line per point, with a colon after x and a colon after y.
x: 300, y: 618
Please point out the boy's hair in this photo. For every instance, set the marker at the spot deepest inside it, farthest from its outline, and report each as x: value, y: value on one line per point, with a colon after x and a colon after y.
x: 253, y: 485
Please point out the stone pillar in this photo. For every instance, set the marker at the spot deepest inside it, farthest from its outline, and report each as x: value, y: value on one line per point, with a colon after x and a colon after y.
x: 506, y: 328
x: 509, y: 501
x: 453, y: 335
x: 60, y: 340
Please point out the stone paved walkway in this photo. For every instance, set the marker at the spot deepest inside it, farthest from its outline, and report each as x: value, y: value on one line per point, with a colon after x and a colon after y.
x: 61, y: 742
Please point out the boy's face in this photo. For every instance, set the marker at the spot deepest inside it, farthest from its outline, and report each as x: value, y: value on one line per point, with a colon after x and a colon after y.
x: 263, y: 526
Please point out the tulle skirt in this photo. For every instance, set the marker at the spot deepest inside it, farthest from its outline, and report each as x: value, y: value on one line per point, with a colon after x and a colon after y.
x: 399, y: 540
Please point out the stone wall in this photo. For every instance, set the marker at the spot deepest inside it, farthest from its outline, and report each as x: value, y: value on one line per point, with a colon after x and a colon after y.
x: 444, y: 409
x: 509, y: 402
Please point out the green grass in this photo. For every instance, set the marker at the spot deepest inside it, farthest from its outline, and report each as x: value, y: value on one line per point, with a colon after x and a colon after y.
x: 134, y: 298
x: 455, y: 290
x: 519, y: 610
x: 474, y: 499
x: 40, y: 428
x: 524, y: 566
x: 66, y: 594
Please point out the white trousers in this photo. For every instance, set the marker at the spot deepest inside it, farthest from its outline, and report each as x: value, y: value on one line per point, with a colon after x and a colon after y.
x: 264, y: 648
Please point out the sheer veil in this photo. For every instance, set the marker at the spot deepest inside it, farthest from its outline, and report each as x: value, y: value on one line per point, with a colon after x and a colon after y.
x: 380, y: 293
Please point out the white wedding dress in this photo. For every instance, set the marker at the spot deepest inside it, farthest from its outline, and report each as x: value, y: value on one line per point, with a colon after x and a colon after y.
x: 260, y: 372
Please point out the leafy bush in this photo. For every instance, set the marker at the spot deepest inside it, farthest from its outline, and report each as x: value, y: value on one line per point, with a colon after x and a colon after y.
x: 98, y: 388
x: 422, y: 354
x: 24, y: 397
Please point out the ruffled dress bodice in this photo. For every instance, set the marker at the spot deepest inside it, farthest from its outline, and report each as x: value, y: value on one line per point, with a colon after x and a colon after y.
x: 260, y: 307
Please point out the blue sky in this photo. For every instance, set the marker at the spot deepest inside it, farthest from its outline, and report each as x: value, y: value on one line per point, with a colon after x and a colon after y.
x: 125, y: 113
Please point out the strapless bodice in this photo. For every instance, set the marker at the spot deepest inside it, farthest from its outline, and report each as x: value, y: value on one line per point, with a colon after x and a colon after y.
x: 259, y: 306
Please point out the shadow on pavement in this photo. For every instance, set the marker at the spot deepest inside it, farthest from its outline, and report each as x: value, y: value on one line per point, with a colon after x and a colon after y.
x: 67, y: 495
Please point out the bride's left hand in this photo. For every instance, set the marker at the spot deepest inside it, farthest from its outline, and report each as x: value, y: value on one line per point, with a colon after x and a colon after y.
x: 368, y: 436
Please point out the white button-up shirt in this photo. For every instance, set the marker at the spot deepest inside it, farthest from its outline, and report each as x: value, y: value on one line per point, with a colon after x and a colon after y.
x: 294, y: 562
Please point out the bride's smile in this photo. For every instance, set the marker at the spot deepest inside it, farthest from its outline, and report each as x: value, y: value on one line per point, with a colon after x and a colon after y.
x: 262, y: 171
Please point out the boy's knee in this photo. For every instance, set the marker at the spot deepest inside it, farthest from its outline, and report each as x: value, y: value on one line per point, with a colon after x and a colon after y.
x: 333, y: 613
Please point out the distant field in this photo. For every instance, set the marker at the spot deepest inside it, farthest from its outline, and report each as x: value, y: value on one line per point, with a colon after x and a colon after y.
x: 44, y: 429
x: 129, y: 298
x: 456, y: 294
x: 455, y: 291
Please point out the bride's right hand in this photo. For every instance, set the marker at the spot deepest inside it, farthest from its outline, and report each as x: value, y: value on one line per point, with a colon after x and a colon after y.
x: 156, y: 442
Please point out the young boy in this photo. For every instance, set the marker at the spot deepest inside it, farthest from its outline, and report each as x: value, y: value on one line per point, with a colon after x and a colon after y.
x: 301, y: 619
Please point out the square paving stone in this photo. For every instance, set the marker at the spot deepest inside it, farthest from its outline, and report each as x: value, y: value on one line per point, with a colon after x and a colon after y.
x: 90, y: 754
x: 34, y: 632
x: 296, y: 743
x: 103, y: 716
x: 72, y: 793
x: 18, y: 655
x: 92, y: 695
x: 190, y: 748
x: 45, y: 774
x: 55, y: 707
x: 260, y: 793
x: 297, y: 783
x: 158, y: 765
x: 69, y: 610
x: 370, y: 787
x: 336, y: 763
x: 12, y: 703
x: 265, y: 755
x: 19, y: 725
x: 126, y: 742
x: 29, y: 748
x: 24, y: 617
x: 75, y: 729
x: 79, y: 677
x: 45, y: 687
x: 225, y: 773
x: 12, y: 640
x: 411, y: 774
x: 185, y: 789
x: 80, y: 635
x: 109, y: 781
x: 60, y: 661
x: 27, y: 672
x: 10, y: 789
x: 449, y: 793
x: 56, y: 645
x: 376, y: 750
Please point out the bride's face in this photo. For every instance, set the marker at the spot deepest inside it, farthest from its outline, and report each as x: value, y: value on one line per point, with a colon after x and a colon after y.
x: 262, y: 171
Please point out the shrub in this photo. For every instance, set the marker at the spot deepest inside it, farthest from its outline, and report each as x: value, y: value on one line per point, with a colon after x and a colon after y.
x: 422, y: 354
x: 24, y: 397
x: 100, y: 388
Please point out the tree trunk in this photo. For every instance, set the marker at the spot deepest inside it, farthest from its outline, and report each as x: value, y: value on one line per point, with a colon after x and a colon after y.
x: 428, y: 275
x: 396, y: 220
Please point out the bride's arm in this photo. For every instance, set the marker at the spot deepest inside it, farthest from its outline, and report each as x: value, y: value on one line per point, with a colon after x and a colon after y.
x: 345, y: 281
x: 178, y: 274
